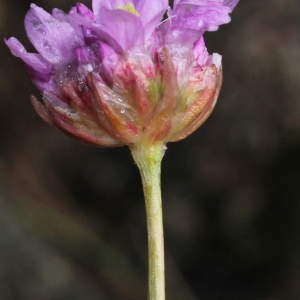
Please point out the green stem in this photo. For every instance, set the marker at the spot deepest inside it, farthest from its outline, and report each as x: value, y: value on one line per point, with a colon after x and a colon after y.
x: 148, y: 159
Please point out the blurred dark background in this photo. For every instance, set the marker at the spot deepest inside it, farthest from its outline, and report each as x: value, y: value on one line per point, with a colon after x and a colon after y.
x: 72, y: 220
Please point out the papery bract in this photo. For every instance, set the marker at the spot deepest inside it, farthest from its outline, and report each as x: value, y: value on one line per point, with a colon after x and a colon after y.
x: 119, y: 75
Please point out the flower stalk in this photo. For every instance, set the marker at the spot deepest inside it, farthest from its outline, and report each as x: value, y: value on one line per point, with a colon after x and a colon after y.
x: 148, y: 158
x: 117, y: 75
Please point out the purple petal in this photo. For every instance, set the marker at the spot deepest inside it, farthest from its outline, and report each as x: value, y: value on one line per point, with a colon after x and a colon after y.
x: 231, y: 3
x: 66, y: 18
x: 93, y: 31
x: 84, y: 16
x: 146, y: 9
x: 83, y: 56
x: 84, y: 11
x: 191, y: 18
x: 36, y: 61
x: 54, y: 39
x: 44, y: 82
x: 40, y: 70
x: 105, y: 51
x: 124, y: 27
x: 202, y: 17
x: 151, y: 13
x: 201, y: 55
x: 109, y: 4
x: 109, y: 59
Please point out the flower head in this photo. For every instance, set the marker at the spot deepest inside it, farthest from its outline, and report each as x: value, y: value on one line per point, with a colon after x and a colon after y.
x: 119, y: 75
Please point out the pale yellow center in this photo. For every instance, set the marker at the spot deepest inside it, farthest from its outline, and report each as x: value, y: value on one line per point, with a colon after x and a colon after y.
x: 128, y: 7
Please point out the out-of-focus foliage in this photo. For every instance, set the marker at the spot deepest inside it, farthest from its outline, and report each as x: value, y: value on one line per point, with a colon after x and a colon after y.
x: 72, y: 222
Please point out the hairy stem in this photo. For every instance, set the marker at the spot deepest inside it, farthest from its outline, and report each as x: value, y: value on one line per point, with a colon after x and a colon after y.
x: 148, y: 159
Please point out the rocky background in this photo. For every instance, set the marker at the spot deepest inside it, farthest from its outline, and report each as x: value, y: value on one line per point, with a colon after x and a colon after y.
x: 72, y: 220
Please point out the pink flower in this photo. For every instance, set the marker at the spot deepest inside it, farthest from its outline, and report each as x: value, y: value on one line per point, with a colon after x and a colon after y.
x: 119, y: 75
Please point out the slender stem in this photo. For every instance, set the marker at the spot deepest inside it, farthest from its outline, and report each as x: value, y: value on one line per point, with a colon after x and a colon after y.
x: 148, y: 159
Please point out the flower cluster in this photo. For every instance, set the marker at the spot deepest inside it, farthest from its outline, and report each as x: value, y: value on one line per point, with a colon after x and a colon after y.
x: 121, y: 75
